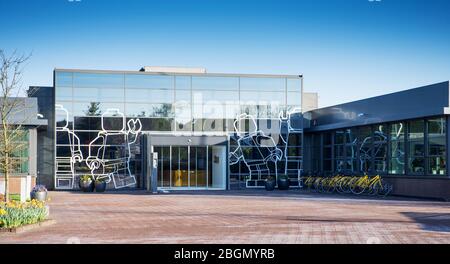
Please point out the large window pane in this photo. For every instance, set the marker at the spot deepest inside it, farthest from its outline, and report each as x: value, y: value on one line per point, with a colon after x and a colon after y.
x: 437, y: 165
x: 215, y: 83
x: 262, y: 84
x: 294, y: 98
x: 95, y: 108
x: 294, y: 85
x: 63, y: 93
x: 416, y: 138
x: 416, y: 144
x: 199, y: 97
x: 63, y: 79
x: 436, y: 137
x: 149, y: 110
x: 98, y: 94
x: 150, y: 95
x: 146, y: 81
x: 98, y: 80
x: 183, y: 82
x: 397, y: 161
x: 263, y: 97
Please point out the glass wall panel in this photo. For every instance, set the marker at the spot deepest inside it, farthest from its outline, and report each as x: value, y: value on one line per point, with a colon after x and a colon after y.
x: 183, y: 95
x: 263, y: 84
x: 397, y: 142
x: 95, y: 108
x: 294, y: 85
x: 201, y: 166
x: 98, y: 80
x: 150, y: 96
x: 98, y: 94
x: 145, y: 81
x: 437, y: 146
x: 183, y: 82
x: 201, y: 97
x: 149, y: 110
x: 294, y: 98
x: 380, y: 148
x: 63, y: 93
x: 215, y: 83
x: 63, y: 79
x: 416, y: 145
x: 263, y: 97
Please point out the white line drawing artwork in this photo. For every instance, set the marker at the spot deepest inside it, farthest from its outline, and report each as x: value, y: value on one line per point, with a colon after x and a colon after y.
x: 286, y: 129
x: 65, y: 166
x: 255, y: 149
x: 366, y: 153
x: 110, y: 152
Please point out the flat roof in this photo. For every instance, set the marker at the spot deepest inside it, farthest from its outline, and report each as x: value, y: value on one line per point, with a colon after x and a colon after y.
x: 184, y: 74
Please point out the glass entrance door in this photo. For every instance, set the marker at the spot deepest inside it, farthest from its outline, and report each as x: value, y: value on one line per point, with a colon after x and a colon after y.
x: 192, y: 167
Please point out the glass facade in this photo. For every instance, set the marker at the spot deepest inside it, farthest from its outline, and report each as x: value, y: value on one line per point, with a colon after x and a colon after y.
x: 415, y: 147
x: 89, y: 104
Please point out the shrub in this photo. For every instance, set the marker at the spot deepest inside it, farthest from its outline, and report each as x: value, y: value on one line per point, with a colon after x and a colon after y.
x: 86, y: 178
x: 100, y: 180
x: 14, y: 214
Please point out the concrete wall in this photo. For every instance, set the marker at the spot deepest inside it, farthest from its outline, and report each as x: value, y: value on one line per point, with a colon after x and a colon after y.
x: 45, y: 135
x: 437, y: 188
x: 19, y: 185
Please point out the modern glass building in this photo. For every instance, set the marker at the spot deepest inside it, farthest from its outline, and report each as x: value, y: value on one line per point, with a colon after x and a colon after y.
x: 230, y: 131
x: 101, y: 118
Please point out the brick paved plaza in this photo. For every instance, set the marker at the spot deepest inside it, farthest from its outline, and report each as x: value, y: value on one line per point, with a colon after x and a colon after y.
x: 238, y: 217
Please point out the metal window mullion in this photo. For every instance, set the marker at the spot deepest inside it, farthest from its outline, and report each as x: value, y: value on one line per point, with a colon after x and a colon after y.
x: 189, y: 165
x: 406, y: 142
x: 170, y: 166
x: 426, y: 148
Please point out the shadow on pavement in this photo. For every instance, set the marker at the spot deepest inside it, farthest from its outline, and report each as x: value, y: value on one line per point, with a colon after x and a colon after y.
x: 436, y: 222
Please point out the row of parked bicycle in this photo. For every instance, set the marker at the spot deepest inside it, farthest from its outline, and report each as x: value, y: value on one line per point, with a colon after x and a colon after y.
x: 357, y: 185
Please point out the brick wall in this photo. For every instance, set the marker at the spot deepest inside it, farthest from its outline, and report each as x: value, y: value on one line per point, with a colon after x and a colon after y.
x: 15, y: 183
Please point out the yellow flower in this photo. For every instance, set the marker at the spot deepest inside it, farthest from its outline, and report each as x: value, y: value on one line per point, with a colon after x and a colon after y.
x: 3, y: 211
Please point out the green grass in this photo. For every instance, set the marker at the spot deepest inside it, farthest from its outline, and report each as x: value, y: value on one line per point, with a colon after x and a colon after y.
x: 14, y: 197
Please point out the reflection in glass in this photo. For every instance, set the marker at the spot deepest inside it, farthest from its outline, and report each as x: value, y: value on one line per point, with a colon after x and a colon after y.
x: 147, y: 81
x: 262, y: 84
x: 201, y: 166
x: 397, y: 162
x: 98, y: 80
x: 416, y: 144
x: 437, y: 146
x: 215, y: 83
x: 63, y: 79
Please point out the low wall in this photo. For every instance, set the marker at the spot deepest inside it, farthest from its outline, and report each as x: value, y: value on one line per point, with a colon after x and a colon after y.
x: 436, y: 188
x: 19, y: 185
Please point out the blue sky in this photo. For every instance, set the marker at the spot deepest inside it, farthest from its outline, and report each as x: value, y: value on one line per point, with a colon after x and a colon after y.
x: 346, y: 49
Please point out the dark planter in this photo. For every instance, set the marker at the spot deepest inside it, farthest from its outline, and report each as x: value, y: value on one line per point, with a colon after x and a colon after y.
x: 100, y: 187
x: 87, y: 186
x: 270, y: 185
x: 284, y: 183
x: 40, y: 196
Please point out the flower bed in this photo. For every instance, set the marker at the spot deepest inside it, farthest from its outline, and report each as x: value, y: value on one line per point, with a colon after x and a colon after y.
x: 15, y: 214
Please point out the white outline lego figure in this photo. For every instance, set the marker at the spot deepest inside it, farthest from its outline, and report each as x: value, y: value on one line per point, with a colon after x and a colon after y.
x: 286, y: 125
x: 115, y: 169
x: 265, y: 146
x: 75, y: 149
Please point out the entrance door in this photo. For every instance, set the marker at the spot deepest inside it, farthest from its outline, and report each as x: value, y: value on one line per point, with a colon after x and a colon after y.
x: 192, y: 167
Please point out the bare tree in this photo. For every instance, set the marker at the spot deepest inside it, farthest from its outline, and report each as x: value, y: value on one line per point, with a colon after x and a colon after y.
x: 12, y: 114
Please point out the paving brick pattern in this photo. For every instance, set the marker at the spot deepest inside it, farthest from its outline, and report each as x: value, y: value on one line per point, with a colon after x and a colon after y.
x: 238, y: 217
